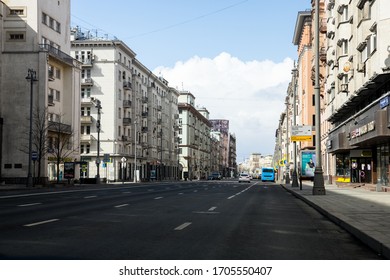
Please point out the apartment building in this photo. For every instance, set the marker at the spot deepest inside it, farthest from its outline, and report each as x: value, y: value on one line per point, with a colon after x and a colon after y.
x: 132, y: 134
x: 358, y: 81
x: 194, y: 138
x: 37, y: 69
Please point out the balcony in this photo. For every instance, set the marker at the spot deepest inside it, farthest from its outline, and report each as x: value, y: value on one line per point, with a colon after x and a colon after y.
x: 59, y: 127
x: 145, y: 99
x: 159, y: 121
x: 56, y: 53
x: 86, y: 138
x: 126, y: 103
x: 50, y: 75
x: 50, y: 100
x: 159, y: 108
x: 145, y: 114
x: 144, y: 129
x: 87, y: 82
x: 86, y: 119
x: 125, y: 138
x: 127, y: 85
x: 127, y: 121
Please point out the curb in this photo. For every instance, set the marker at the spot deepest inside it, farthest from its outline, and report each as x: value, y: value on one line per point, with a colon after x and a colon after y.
x: 371, y: 242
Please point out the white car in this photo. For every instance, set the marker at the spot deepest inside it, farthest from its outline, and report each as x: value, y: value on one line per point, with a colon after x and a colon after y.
x: 244, y: 177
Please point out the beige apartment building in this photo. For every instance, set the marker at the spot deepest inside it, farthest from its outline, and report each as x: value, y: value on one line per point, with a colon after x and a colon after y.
x: 37, y: 69
x: 133, y: 135
x: 194, y: 139
x: 358, y: 81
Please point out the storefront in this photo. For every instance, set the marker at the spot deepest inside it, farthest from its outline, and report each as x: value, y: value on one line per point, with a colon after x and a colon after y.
x: 361, y: 146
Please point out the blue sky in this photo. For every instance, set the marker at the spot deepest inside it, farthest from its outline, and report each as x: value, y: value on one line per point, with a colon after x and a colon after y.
x: 235, y: 56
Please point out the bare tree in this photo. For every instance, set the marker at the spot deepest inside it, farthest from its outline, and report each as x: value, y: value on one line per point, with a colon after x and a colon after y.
x: 61, y: 143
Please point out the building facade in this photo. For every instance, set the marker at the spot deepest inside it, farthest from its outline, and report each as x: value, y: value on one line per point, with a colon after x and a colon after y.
x: 359, y: 83
x: 133, y: 136
x: 36, y: 67
x: 194, y: 139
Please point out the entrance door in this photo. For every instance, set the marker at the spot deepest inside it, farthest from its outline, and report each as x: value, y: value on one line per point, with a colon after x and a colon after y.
x: 361, y: 170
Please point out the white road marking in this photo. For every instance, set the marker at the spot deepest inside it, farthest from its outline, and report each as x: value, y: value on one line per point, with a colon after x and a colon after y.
x: 159, y: 197
x: 122, y: 205
x: 195, y: 190
x: 183, y: 226
x: 41, y: 223
x: 91, y: 196
x: 180, y: 193
x: 230, y: 197
x: 126, y: 192
x: 31, y: 204
x: 212, y: 208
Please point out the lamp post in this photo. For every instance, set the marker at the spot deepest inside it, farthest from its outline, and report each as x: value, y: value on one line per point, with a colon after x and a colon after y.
x: 287, y: 144
x: 294, y: 175
x: 135, y: 151
x: 32, y: 76
x: 98, y: 106
x: 318, y: 185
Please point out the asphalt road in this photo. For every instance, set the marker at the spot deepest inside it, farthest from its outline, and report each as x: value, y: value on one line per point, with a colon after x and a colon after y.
x: 170, y: 220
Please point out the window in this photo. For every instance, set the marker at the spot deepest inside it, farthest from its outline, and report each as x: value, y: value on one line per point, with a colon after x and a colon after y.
x: 88, y: 130
x: 85, y: 92
x: 82, y: 111
x: 58, y: 95
x: 16, y: 36
x: 58, y: 73
x: 16, y: 12
x: 343, y: 13
x: 119, y: 113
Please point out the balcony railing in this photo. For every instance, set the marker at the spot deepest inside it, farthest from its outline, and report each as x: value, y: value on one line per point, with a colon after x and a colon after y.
x: 145, y: 114
x: 127, y: 121
x: 57, y: 53
x: 86, y: 138
x: 127, y: 103
x: 86, y: 119
x: 87, y: 82
x: 144, y: 129
x: 126, y: 85
x: 145, y: 99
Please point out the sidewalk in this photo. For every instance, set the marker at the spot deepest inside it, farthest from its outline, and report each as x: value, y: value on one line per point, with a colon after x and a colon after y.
x: 363, y: 213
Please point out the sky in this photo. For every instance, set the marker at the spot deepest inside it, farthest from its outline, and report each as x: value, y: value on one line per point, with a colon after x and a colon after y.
x: 234, y: 56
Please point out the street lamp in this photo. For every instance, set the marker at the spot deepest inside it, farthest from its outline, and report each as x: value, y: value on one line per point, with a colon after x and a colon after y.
x: 294, y: 175
x: 318, y: 185
x: 98, y: 105
x: 287, y: 144
x: 32, y: 76
x: 135, y: 151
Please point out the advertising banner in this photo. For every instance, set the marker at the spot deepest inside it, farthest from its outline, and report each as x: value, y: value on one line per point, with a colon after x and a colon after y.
x: 308, y: 159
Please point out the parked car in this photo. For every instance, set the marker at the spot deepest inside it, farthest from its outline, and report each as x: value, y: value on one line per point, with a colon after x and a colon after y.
x: 244, y: 177
x: 215, y: 176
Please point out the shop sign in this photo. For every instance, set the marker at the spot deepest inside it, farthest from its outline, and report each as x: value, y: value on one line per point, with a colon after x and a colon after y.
x: 384, y: 102
x: 363, y: 130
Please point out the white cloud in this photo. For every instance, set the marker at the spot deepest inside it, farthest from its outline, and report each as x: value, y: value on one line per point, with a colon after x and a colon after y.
x: 249, y: 94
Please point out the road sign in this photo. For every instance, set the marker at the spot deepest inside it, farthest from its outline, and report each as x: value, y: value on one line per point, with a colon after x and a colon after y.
x: 106, y: 158
x: 301, y: 138
x: 34, y: 155
x: 301, y: 130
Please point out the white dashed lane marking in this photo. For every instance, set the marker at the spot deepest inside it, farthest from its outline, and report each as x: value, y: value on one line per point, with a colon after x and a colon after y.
x: 41, y: 223
x: 183, y: 226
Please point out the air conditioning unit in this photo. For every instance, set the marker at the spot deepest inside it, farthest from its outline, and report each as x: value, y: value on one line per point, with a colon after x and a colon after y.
x: 360, y: 67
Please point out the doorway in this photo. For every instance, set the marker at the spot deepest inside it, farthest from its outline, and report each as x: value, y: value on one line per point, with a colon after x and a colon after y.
x: 361, y: 170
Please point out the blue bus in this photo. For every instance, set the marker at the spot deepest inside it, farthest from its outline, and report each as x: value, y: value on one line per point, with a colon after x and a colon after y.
x: 267, y: 174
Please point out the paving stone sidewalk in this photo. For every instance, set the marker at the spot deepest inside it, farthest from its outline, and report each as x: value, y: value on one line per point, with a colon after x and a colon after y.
x: 363, y: 213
